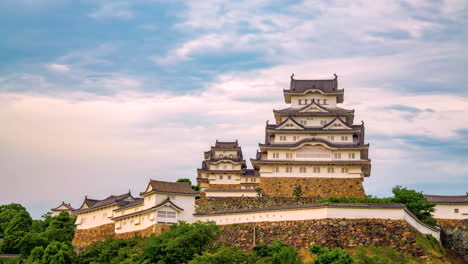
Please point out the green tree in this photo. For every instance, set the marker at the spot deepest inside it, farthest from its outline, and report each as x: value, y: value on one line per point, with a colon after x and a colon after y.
x: 259, y: 191
x: 180, y: 243
x: 415, y: 202
x: 7, y: 213
x: 194, y: 187
x: 36, y: 256
x: 11, y: 243
x: 31, y: 241
x: 225, y: 255
x: 327, y: 256
x: 61, y: 228
x: 21, y: 221
x: 287, y: 255
x: 297, y: 192
x: 58, y: 253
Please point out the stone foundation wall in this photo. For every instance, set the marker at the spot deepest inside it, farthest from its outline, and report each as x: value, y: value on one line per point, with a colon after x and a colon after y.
x: 211, y: 204
x: 312, y: 187
x: 225, y: 186
x: 86, y: 237
x: 454, y: 236
x: 344, y: 233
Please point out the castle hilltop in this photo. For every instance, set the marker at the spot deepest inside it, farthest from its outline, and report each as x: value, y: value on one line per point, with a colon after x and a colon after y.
x: 313, y: 145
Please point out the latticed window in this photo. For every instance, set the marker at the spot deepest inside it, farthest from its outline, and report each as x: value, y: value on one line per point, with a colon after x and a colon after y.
x: 330, y: 170
x: 337, y: 155
x: 351, y: 156
x: 316, y: 169
x: 302, y: 170
x: 288, y: 169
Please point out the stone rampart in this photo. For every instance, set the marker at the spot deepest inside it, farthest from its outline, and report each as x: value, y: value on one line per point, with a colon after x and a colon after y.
x: 454, y: 235
x: 312, y: 187
x: 86, y: 237
x: 210, y: 204
x: 344, y: 233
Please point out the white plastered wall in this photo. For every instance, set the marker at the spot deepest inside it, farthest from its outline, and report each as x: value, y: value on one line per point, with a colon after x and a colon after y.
x: 331, y: 99
x: 94, y: 218
x: 447, y: 211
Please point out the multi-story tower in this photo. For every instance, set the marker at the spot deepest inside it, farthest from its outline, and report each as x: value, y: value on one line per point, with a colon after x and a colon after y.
x: 224, y: 172
x: 313, y: 144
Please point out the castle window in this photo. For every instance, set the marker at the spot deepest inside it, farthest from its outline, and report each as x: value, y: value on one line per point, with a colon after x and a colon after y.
x: 220, y: 177
x: 330, y: 170
x: 316, y: 169
x: 231, y: 156
x: 276, y: 169
x: 289, y: 155
x: 303, y: 122
x: 294, y: 138
x: 300, y: 101
x: 252, y: 179
x: 282, y: 138
x: 229, y: 177
x: 276, y: 155
x: 344, y: 138
x: 351, y: 156
x: 456, y: 211
x: 288, y: 169
x: 306, y: 101
x: 344, y: 170
x: 318, y: 101
x: 337, y: 155
x: 331, y: 138
x: 324, y: 101
x: 220, y: 156
x: 302, y: 169
x: 323, y: 122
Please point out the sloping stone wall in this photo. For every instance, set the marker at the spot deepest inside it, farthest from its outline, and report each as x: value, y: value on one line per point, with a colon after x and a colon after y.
x: 211, y: 204
x: 454, y: 236
x: 86, y: 237
x: 344, y: 233
x: 312, y: 187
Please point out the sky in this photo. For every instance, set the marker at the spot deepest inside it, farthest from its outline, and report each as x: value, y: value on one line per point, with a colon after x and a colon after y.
x: 97, y: 97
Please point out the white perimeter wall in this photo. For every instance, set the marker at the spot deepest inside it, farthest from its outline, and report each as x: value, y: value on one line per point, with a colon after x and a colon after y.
x: 447, y: 211
x: 320, y: 213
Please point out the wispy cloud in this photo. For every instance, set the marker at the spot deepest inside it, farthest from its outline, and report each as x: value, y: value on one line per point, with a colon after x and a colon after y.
x: 113, y: 10
x: 59, y: 68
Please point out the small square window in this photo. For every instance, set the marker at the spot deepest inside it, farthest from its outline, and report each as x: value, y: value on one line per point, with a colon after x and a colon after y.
x: 229, y: 177
x: 220, y: 177
x: 456, y: 211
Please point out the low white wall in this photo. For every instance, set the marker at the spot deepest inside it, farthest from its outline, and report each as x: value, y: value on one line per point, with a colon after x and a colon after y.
x: 311, y: 213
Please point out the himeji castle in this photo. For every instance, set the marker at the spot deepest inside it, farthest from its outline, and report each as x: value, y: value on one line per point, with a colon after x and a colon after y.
x: 313, y: 145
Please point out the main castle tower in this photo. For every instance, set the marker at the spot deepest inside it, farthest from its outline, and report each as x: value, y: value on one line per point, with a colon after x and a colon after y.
x: 313, y: 144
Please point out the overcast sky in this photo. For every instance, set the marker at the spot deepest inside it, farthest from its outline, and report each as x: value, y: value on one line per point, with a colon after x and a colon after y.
x: 97, y: 97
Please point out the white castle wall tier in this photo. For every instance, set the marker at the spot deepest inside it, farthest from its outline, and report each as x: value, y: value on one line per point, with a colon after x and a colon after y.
x: 313, y: 139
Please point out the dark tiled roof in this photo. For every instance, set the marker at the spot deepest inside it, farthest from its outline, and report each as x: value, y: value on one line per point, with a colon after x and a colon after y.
x: 171, y: 187
x: 113, y: 199
x: 312, y: 140
x: 331, y: 110
x: 459, y: 199
x: 166, y: 202
x: 138, y: 201
x: 303, y: 206
x: 226, y: 144
x: 354, y: 128
x: 314, y: 161
x: 229, y: 190
x: 326, y: 86
x: 224, y: 158
x: 68, y: 206
x: 250, y: 172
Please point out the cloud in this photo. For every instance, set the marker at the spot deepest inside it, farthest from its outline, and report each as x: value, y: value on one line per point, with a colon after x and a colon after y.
x: 59, y: 68
x: 113, y: 10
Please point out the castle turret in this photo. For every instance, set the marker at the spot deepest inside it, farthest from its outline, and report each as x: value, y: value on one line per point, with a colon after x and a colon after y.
x: 224, y: 172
